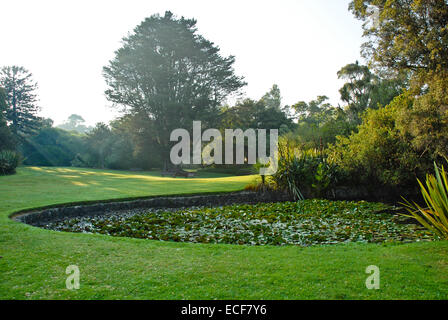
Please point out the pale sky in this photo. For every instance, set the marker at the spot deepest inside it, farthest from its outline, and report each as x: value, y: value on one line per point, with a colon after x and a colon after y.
x: 297, y: 44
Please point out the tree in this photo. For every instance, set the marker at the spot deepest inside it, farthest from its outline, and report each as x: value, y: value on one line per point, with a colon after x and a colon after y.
x: 314, y: 112
x: 356, y: 90
x: 411, y: 36
x: 3, y: 105
x: 253, y: 114
x: 75, y: 123
x: 273, y: 98
x: 170, y: 75
x: 7, y: 141
x: 52, y: 147
x: 21, y: 100
x: 425, y: 121
x: 99, y: 144
x: 365, y: 90
x: 405, y: 34
x: 318, y: 123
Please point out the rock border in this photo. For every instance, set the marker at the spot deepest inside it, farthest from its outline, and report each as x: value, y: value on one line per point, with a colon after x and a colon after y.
x: 40, y: 217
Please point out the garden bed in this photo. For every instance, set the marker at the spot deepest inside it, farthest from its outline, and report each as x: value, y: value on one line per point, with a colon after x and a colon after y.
x: 303, y: 223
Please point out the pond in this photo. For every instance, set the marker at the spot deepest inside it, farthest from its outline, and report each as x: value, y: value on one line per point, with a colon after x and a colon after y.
x: 302, y: 223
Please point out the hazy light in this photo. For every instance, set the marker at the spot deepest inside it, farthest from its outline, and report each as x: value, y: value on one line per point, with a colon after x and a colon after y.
x: 300, y: 45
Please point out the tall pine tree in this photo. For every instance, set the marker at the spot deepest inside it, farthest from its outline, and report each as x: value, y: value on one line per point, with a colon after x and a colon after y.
x: 21, y: 100
x: 7, y: 141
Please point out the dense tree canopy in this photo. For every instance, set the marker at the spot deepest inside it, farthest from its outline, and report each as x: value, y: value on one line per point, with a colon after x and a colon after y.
x: 265, y: 113
x: 405, y: 34
x: 407, y: 46
x: 52, y: 147
x: 318, y: 123
x: 165, y: 71
x: 411, y: 36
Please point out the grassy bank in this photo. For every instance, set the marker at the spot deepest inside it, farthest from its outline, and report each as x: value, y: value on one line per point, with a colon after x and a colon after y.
x: 33, y: 260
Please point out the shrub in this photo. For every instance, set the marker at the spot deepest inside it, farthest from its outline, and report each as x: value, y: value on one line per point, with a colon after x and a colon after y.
x: 304, y: 172
x: 435, y: 216
x: 398, y: 143
x: 9, y: 160
x: 379, y: 153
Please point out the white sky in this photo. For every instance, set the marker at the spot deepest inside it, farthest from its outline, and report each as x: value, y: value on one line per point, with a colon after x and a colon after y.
x: 298, y: 44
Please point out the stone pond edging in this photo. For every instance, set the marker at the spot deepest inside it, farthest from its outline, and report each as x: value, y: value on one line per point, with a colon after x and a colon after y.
x: 39, y: 217
x: 42, y: 216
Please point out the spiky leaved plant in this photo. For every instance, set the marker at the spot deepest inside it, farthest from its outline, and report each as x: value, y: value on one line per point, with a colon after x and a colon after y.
x: 435, y: 216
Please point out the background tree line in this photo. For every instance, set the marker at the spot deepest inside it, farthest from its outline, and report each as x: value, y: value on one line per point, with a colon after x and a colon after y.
x: 391, y: 127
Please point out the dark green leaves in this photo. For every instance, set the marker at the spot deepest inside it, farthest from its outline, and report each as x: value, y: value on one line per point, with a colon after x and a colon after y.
x: 167, y: 72
x: 303, y: 223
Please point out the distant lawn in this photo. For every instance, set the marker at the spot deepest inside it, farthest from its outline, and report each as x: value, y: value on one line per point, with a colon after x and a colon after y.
x: 33, y: 260
x: 37, y: 186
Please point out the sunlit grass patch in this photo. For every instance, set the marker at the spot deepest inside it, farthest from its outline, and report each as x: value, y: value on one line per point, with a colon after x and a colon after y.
x: 34, y: 260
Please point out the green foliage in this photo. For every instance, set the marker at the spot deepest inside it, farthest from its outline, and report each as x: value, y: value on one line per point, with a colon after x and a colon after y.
x: 236, y: 170
x: 304, y: 173
x: 395, y: 144
x: 122, y: 145
x: 7, y: 140
x: 378, y: 153
x: 75, y: 123
x: 21, y: 100
x: 170, y: 75
x: 273, y: 98
x: 304, y: 223
x: 9, y: 160
x: 356, y: 90
x: 364, y: 90
x: 407, y: 37
x: 99, y: 144
x: 118, y: 146
x: 405, y: 34
x: 425, y: 119
x: 318, y: 124
x: 3, y: 105
x: 435, y: 216
x: 52, y: 147
x: 253, y: 114
x: 185, y: 270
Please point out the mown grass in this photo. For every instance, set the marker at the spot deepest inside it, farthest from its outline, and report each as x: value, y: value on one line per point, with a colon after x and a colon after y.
x: 33, y: 260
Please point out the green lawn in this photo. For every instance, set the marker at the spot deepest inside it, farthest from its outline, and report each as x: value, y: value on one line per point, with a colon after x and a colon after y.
x: 33, y: 260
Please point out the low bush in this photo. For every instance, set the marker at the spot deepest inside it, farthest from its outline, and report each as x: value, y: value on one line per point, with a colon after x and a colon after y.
x: 9, y: 160
x: 384, y: 151
x: 304, y: 173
